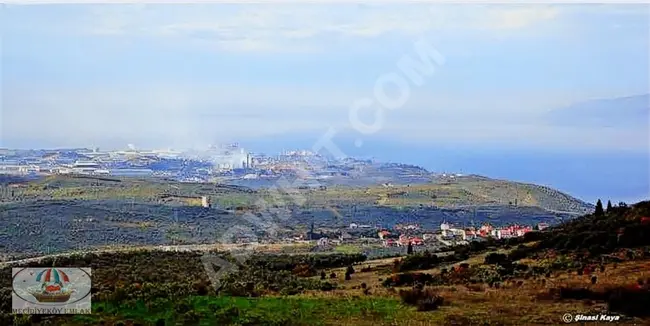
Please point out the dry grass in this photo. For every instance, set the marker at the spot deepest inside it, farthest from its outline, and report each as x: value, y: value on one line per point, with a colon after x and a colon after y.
x: 528, y: 304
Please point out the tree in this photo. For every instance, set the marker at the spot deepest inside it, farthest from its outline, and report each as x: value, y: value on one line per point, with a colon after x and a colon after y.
x: 599, y: 208
x: 350, y: 270
x: 609, y: 206
x: 409, y: 249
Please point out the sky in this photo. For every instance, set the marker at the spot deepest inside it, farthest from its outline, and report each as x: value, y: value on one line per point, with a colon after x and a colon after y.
x: 267, y: 75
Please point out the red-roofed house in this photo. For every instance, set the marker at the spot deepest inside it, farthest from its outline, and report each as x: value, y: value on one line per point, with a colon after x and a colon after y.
x: 383, y: 234
x: 390, y: 243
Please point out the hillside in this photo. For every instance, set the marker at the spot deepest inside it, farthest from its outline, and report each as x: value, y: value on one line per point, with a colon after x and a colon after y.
x: 488, y: 283
x: 65, y: 213
x: 621, y: 112
x: 621, y: 227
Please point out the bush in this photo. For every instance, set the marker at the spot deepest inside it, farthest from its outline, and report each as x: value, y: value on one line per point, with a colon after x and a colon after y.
x: 496, y: 259
x: 304, y: 270
x: 408, y: 279
x: 579, y: 294
x: 424, y: 300
x: 350, y: 270
x: 417, y: 261
x: 633, y: 303
x: 327, y: 286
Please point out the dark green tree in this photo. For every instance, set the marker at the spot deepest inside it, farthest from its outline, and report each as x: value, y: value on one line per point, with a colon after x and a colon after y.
x: 409, y: 249
x: 609, y: 206
x: 599, y: 208
x: 350, y: 270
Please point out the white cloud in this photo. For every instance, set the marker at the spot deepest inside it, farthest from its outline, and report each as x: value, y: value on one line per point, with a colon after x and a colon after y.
x: 520, y: 17
x: 264, y: 27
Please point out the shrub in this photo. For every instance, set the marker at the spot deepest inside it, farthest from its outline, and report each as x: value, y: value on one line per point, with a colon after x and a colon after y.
x: 350, y: 270
x: 322, y: 275
x: 579, y: 294
x: 327, y: 286
x: 424, y: 300
x: 333, y: 275
x: 406, y: 279
x: 304, y: 270
x: 495, y: 258
x: 633, y: 303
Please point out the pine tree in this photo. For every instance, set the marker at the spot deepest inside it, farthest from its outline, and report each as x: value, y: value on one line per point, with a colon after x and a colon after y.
x: 609, y: 206
x: 599, y: 208
x: 409, y: 249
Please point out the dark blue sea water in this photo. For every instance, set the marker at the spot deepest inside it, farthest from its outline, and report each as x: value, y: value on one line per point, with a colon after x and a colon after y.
x: 588, y: 175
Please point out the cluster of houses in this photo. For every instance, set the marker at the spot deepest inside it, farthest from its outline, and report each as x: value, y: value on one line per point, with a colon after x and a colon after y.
x: 449, y: 234
x: 403, y: 235
x: 487, y: 230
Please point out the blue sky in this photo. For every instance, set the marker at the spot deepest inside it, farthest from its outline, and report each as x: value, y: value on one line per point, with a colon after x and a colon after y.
x: 189, y: 75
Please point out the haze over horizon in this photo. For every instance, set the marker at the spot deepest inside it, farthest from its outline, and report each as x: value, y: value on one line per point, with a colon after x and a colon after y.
x: 279, y: 76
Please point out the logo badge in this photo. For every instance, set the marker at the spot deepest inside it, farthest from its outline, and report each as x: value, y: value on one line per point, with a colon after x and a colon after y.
x: 51, y: 290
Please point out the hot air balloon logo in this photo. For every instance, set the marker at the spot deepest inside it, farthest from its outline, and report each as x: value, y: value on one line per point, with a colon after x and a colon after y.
x: 48, y: 286
x: 54, y: 286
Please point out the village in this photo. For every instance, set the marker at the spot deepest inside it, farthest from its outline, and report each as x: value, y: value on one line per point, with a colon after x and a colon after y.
x: 400, y: 235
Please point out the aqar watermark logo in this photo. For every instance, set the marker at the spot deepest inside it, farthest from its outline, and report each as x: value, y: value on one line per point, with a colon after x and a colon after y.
x: 49, y: 290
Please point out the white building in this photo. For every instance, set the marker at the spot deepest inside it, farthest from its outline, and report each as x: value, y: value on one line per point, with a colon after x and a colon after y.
x: 230, y: 158
x: 323, y: 242
x: 444, y: 228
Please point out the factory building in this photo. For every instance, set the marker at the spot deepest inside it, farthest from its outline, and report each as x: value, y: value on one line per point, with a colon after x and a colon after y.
x: 230, y: 158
